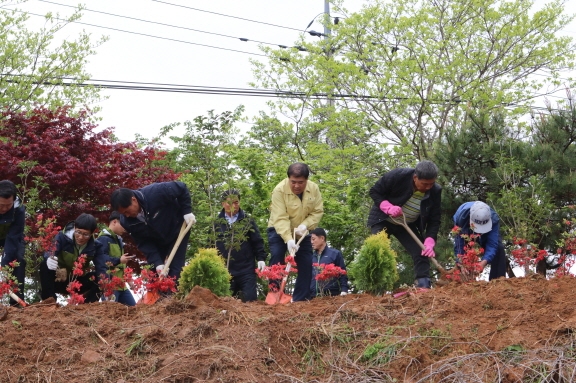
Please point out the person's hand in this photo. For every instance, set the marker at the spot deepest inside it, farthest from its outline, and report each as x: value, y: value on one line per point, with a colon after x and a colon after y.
x: 344, y: 293
x: 125, y: 258
x: 301, y: 229
x: 189, y: 218
x: 292, y: 246
x: 429, y: 244
x: 261, y: 265
x: 159, y: 269
x: 52, y: 263
x: 391, y: 210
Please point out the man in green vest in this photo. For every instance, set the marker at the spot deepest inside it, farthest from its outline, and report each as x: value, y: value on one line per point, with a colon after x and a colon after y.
x: 112, y: 260
x: 75, y: 240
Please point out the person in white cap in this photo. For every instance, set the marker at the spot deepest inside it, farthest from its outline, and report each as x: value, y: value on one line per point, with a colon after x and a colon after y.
x: 477, y: 217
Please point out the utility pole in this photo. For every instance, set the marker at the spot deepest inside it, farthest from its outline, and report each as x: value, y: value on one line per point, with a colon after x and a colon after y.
x: 327, y: 31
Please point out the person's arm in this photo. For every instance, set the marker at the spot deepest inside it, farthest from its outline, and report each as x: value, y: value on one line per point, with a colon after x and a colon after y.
x: 150, y: 250
x: 14, y: 242
x: 101, y: 256
x: 434, y: 217
x: 379, y: 191
x: 257, y: 242
x: 314, y: 217
x: 279, y: 218
x: 492, y: 240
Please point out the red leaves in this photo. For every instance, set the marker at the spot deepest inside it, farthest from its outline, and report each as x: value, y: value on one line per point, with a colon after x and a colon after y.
x: 328, y: 272
x: 46, y: 232
x: 80, y: 166
x: 469, y: 261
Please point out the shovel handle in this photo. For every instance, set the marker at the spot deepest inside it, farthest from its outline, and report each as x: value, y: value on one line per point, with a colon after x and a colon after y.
x: 183, y: 232
x: 403, y: 223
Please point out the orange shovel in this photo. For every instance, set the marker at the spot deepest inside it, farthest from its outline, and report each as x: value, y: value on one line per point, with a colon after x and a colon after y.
x: 274, y: 297
x: 152, y: 296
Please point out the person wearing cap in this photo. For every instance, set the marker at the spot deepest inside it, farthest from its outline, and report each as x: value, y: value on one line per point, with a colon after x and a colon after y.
x: 477, y: 217
x: 324, y: 255
x: 296, y: 204
x: 12, y: 222
x: 239, y: 239
x: 414, y: 193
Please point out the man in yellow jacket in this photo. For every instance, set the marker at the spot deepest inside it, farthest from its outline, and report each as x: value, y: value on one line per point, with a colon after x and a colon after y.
x: 296, y: 204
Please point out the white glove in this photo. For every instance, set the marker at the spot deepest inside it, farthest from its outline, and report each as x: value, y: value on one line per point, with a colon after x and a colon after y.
x: 261, y: 265
x: 301, y: 230
x: 52, y: 263
x: 189, y: 218
x: 343, y: 293
x: 159, y: 269
x: 292, y: 246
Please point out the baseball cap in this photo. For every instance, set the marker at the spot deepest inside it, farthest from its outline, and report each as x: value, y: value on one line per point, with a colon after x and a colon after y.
x: 481, y: 217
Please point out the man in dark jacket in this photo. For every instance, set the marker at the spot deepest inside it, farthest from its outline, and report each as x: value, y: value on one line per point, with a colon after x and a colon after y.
x: 12, y: 219
x: 324, y: 255
x: 153, y: 216
x: 112, y: 260
x: 414, y: 194
x: 240, y: 243
x: 76, y: 239
x: 477, y: 217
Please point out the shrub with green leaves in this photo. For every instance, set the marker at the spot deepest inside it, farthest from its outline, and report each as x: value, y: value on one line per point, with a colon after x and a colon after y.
x: 206, y: 269
x: 374, y: 269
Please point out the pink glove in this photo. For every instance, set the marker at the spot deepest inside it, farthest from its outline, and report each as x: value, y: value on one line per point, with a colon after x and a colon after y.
x: 429, y: 244
x: 391, y: 210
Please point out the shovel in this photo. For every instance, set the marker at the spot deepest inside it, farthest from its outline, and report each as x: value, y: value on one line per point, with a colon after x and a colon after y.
x: 274, y: 297
x: 403, y: 223
x: 152, y: 296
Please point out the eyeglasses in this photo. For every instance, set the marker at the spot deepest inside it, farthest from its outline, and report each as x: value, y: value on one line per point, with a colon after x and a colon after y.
x: 80, y: 234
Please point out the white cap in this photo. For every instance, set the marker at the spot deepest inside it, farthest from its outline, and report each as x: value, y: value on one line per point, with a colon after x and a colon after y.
x: 480, y: 217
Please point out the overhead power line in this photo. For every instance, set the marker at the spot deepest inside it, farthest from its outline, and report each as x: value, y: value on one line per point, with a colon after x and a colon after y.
x: 221, y: 14
x: 163, y: 24
x: 148, y: 35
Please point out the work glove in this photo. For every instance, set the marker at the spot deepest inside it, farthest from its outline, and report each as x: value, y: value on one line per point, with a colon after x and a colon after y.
x: 429, y: 244
x: 52, y: 263
x: 189, y: 218
x: 344, y: 293
x: 261, y: 265
x: 159, y: 269
x: 292, y: 246
x: 391, y: 210
x: 301, y: 230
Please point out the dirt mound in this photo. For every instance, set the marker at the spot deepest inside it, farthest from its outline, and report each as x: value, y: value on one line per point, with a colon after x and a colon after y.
x: 509, y: 330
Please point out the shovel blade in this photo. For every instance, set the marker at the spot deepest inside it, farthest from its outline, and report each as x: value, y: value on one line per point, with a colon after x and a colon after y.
x: 149, y: 298
x: 275, y: 297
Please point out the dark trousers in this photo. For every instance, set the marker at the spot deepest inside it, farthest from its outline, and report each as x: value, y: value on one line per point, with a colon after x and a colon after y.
x: 50, y: 287
x: 179, y: 258
x: 245, y: 283
x: 498, y: 265
x: 125, y: 297
x: 303, y: 258
x: 421, y: 263
x: 19, y: 273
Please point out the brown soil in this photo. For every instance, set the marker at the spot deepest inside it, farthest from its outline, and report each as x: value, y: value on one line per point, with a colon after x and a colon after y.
x: 508, y: 330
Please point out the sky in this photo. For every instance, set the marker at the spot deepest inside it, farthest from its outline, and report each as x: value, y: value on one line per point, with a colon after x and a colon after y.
x: 134, y: 57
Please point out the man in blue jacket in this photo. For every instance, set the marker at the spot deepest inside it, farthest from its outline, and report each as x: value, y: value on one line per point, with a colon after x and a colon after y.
x: 12, y: 220
x: 415, y: 194
x: 240, y: 243
x: 477, y: 217
x: 112, y: 260
x: 324, y: 255
x: 153, y: 216
x: 76, y: 239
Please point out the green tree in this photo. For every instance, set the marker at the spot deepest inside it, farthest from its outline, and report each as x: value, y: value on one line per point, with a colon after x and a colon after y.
x: 206, y: 269
x: 403, y: 72
x: 33, y: 65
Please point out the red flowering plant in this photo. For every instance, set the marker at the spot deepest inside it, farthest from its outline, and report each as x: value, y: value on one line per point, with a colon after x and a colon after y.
x: 277, y: 272
x: 74, y: 286
x: 326, y: 274
x: 117, y: 280
x: 8, y: 284
x: 530, y: 257
x: 154, y: 283
x: 42, y: 242
x: 469, y: 261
